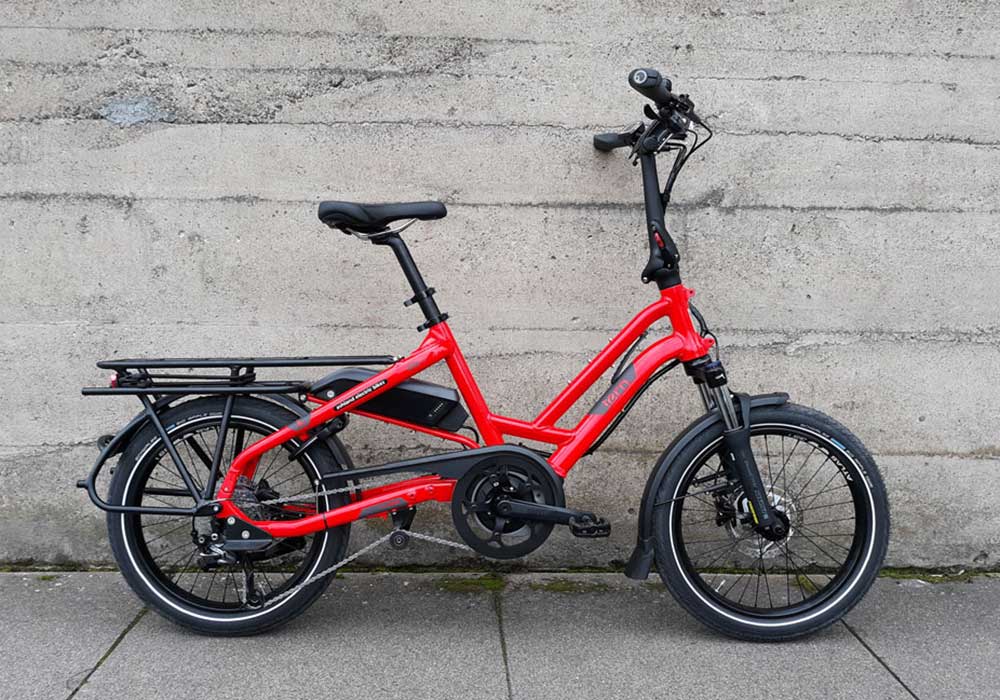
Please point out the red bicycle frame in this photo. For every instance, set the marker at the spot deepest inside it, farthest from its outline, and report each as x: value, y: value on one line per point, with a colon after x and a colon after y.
x: 684, y: 343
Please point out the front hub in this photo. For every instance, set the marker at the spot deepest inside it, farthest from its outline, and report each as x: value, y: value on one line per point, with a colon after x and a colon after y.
x: 765, y: 543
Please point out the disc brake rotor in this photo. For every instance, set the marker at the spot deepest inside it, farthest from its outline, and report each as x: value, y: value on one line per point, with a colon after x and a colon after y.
x: 741, y: 525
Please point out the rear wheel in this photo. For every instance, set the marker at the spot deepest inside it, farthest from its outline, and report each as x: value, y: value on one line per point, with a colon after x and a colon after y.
x: 168, y: 560
x: 823, y: 484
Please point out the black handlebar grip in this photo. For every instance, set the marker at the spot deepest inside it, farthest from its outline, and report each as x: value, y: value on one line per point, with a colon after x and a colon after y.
x: 610, y: 141
x: 651, y: 85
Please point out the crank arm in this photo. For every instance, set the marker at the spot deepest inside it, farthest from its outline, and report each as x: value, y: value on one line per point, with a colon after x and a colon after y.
x: 525, y: 510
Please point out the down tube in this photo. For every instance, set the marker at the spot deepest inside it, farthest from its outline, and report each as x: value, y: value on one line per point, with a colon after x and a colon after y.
x: 614, y: 399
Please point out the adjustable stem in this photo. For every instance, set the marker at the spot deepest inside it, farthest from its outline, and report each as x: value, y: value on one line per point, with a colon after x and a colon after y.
x: 663, y: 255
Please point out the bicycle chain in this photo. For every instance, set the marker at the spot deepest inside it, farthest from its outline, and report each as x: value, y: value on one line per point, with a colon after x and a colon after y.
x: 347, y: 560
x: 289, y: 499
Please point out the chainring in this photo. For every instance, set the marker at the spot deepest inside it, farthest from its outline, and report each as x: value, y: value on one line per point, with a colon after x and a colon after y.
x: 509, y: 476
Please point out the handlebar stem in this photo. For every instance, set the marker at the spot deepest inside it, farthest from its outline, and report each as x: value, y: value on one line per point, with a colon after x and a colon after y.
x: 663, y: 254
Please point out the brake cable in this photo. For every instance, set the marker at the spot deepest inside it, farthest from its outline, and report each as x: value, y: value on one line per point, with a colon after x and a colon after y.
x: 628, y: 353
x: 703, y: 328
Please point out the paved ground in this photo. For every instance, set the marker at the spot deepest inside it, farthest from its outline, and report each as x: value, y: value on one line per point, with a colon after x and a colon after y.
x: 546, y: 636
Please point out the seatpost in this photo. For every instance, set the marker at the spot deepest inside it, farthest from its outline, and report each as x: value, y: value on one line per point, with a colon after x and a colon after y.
x: 423, y: 295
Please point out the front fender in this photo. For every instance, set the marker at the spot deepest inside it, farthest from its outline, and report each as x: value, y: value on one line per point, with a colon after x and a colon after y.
x: 641, y: 561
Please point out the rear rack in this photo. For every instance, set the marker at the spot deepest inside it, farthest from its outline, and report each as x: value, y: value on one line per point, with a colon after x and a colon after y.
x: 157, y: 388
x: 139, y: 376
x: 308, y: 361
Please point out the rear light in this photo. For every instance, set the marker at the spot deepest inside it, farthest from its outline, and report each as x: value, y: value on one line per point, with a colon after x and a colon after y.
x: 113, y: 381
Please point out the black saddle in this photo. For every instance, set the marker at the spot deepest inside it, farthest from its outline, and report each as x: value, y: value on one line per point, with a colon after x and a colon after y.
x: 372, y: 218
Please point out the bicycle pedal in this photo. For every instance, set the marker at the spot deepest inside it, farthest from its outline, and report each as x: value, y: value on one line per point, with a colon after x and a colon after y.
x: 590, y: 528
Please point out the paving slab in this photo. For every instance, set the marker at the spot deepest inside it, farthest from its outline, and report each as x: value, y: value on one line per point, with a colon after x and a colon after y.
x: 369, y: 636
x: 605, y: 637
x: 942, y: 639
x: 54, y: 628
x: 544, y: 635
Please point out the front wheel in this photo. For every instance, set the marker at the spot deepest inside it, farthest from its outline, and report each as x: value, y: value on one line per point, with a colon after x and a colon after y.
x: 821, y: 480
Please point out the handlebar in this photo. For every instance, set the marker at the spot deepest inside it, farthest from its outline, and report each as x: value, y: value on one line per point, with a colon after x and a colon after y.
x: 651, y: 85
x: 670, y: 126
x: 610, y: 141
x: 672, y: 116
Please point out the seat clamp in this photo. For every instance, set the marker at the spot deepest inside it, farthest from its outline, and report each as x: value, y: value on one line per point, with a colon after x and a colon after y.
x: 432, y: 322
x: 420, y: 296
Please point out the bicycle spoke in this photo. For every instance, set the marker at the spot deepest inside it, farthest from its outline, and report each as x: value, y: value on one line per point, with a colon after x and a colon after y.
x: 818, y: 589
x: 822, y: 464
x: 756, y: 592
x: 804, y: 463
x: 836, y: 561
x: 190, y: 461
x: 726, y: 550
x: 170, y: 519
x: 176, y: 576
x: 823, y: 490
x: 168, y: 532
x: 835, y: 544
x: 785, y: 461
x: 194, y: 583
x: 835, y: 520
x: 169, y: 484
x: 171, y: 551
x: 784, y: 477
x: 788, y: 585
x: 211, y: 582
x: 767, y: 584
x: 200, y: 453
x: 828, y: 505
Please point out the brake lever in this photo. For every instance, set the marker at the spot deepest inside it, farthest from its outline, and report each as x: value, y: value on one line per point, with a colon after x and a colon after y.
x: 688, y: 110
x: 637, y: 133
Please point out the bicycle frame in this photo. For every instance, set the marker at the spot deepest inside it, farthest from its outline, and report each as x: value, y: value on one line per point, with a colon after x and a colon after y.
x: 684, y: 344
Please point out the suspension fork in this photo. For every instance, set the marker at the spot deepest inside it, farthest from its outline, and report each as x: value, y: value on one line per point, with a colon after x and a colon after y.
x: 738, y: 460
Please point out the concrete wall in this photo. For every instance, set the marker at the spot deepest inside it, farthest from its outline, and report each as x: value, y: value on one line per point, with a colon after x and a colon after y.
x: 160, y: 165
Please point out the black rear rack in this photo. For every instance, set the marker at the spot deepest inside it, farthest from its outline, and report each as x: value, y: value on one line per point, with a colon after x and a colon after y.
x: 140, y: 376
x: 157, y: 387
x: 178, y: 362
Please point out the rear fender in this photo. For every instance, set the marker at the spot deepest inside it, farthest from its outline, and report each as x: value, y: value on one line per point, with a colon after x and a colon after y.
x: 641, y: 561
x: 300, y: 410
x: 116, y: 445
